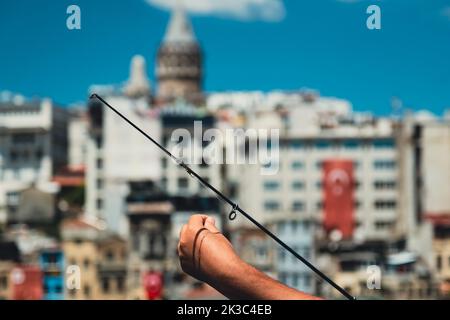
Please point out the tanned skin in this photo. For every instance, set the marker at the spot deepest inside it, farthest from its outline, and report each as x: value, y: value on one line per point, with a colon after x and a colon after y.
x: 208, y: 256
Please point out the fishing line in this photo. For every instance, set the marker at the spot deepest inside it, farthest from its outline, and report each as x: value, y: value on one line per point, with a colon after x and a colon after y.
x: 233, y: 205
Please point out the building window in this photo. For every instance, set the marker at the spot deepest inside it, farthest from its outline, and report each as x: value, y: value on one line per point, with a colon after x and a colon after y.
x: 99, y: 142
x: 13, y: 155
x: 297, y: 145
x: 3, y: 282
x: 23, y: 138
x: 183, y: 183
x: 261, y: 254
x: 86, y: 263
x: 383, y: 143
x: 295, y: 280
x: 99, y: 204
x: 12, y: 198
x: 99, y: 163
x: 307, y: 280
x: 87, y: 290
x: 384, y: 184
x: 306, y: 225
x: 202, y: 186
x: 110, y: 255
x: 105, y: 285
x: 307, y: 253
x: 351, y: 144
x: 157, y: 245
x: 384, y: 164
x: 25, y: 155
x: 298, y: 185
x: 439, y: 262
x: 294, y: 225
x: 99, y: 183
x: 298, y: 206
x: 271, y: 205
x: 39, y: 154
x: 383, y: 224
x: 120, y: 284
x: 164, y: 163
x: 385, y: 204
x: 297, y: 165
x: 271, y: 185
x: 324, y: 144
x: 164, y: 183
x: 136, y: 244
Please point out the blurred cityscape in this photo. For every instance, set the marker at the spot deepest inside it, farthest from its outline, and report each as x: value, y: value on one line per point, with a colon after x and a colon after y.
x: 365, y: 198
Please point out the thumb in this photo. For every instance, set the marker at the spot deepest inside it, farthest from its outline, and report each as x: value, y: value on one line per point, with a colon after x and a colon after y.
x: 210, y: 224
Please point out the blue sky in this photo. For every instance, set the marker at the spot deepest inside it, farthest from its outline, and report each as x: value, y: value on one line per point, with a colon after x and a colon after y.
x: 320, y: 44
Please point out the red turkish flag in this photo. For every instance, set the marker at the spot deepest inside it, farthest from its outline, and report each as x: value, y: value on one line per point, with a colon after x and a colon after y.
x: 27, y: 283
x: 338, y: 186
x: 153, y: 284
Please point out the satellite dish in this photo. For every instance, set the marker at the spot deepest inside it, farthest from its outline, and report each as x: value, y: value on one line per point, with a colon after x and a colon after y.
x: 335, y: 235
x: 17, y: 276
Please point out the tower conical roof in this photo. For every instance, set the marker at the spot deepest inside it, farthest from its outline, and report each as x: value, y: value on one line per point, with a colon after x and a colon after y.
x: 179, y: 29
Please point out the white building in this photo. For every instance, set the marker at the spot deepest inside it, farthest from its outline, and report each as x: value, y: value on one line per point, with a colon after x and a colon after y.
x: 78, y: 133
x: 117, y: 153
x: 426, y: 181
x: 312, y: 132
x: 33, y: 145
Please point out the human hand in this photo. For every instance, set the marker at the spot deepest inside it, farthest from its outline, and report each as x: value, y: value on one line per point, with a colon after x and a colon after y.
x: 204, y: 252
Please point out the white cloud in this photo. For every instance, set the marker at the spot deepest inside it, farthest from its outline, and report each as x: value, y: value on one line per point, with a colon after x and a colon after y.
x: 266, y: 10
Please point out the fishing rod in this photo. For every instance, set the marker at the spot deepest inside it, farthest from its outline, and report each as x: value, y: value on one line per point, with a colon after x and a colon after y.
x: 234, y: 206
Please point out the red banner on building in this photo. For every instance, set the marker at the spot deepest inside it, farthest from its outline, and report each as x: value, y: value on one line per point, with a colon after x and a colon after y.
x: 153, y: 284
x: 338, y: 186
x: 27, y: 283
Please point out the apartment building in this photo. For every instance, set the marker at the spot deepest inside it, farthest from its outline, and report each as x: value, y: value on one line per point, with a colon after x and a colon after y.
x: 33, y: 145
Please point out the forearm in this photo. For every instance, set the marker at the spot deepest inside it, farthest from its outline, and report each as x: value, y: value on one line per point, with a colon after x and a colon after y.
x: 242, y: 281
x: 210, y: 257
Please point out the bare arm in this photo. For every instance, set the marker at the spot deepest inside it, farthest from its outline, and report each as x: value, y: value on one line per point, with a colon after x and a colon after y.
x: 208, y: 256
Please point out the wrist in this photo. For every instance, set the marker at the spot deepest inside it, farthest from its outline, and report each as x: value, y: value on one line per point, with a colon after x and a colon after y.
x: 228, y: 273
